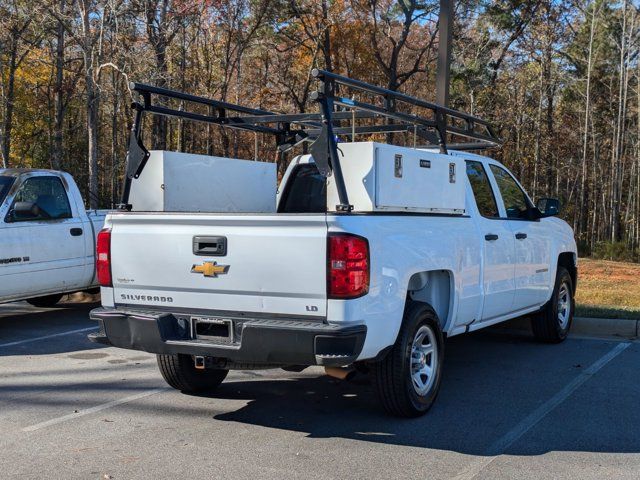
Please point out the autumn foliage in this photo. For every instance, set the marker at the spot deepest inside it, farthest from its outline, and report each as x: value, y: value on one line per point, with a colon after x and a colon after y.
x: 559, y: 79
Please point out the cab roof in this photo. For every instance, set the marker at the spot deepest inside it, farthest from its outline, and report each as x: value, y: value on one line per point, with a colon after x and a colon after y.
x: 16, y: 172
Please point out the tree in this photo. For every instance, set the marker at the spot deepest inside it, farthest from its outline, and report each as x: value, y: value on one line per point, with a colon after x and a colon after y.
x: 15, y: 46
x: 402, y: 36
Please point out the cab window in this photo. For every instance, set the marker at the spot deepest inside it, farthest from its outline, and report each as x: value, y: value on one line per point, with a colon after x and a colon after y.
x: 516, y: 202
x: 48, y: 196
x: 485, y: 200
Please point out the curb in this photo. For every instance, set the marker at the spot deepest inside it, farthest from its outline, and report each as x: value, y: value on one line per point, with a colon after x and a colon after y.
x: 596, y: 327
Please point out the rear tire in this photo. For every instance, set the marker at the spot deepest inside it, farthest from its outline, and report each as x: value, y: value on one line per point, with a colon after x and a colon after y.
x: 46, y: 301
x: 552, y: 323
x: 180, y: 373
x: 407, y: 380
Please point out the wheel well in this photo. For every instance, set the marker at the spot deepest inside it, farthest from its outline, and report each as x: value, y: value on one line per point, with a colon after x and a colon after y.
x: 434, y: 288
x: 568, y: 261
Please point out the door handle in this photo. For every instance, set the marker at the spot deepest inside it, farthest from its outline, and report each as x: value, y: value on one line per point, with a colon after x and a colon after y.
x: 521, y: 236
x: 75, y: 232
x: 490, y: 237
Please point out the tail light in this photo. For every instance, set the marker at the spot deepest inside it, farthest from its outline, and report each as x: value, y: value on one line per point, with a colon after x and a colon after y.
x: 347, y: 266
x: 103, y: 258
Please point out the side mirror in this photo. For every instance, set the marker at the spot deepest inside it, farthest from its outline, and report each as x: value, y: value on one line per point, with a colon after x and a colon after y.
x: 24, y: 211
x: 548, y: 207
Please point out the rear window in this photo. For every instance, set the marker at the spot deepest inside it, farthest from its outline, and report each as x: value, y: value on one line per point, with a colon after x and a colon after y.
x: 5, y: 185
x: 305, y: 191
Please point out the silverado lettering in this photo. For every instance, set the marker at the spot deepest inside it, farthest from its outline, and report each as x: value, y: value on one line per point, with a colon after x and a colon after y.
x: 147, y: 298
x: 6, y: 261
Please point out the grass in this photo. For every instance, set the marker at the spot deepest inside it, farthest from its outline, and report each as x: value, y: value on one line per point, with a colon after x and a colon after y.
x: 608, y: 289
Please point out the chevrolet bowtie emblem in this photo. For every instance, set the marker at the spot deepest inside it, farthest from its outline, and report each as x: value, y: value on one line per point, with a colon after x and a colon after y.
x: 210, y: 269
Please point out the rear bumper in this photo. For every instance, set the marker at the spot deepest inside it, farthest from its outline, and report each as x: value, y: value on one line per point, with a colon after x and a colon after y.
x: 257, y: 341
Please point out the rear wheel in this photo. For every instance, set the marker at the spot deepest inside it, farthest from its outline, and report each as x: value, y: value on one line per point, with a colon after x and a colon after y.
x: 553, y: 322
x: 46, y: 301
x: 179, y: 372
x: 407, y: 380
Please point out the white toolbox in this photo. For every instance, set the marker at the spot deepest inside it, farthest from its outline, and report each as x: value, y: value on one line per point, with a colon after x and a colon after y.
x: 183, y: 182
x: 381, y: 177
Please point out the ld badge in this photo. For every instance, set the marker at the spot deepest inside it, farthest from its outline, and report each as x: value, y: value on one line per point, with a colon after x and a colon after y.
x: 210, y: 269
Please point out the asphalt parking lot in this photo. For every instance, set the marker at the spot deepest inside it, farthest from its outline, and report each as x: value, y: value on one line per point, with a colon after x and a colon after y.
x: 509, y: 408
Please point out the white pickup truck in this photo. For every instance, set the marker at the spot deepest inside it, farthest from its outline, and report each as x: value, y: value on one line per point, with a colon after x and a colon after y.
x: 431, y: 245
x: 47, y: 238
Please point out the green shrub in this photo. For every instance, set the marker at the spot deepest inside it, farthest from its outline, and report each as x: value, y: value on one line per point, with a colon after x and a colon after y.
x: 618, y: 251
x: 584, y: 248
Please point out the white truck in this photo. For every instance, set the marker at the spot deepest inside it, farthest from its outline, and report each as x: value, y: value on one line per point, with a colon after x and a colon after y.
x: 47, y: 238
x: 373, y: 254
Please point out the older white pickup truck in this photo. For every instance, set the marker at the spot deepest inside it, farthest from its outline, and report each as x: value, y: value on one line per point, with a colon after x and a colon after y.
x: 47, y: 238
x: 367, y: 267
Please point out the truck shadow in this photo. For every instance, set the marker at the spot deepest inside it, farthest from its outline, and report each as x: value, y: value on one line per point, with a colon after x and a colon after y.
x: 492, y: 381
x: 64, y: 329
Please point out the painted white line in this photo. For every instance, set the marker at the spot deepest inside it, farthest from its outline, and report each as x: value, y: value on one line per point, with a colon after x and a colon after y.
x: 513, y: 435
x: 97, y: 408
x: 46, y: 337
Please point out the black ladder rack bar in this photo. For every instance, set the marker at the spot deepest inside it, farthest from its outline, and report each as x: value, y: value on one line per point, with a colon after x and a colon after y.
x: 337, y: 116
x: 359, y: 85
x: 222, y: 121
x: 312, y: 121
x: 166, y: 92
x: 440, y: 113
x: 302, y: 117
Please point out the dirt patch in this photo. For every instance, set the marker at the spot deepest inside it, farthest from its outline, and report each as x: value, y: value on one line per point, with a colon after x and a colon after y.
x: 81, y: 297
x: 88, y: 355
x: 609, y: 285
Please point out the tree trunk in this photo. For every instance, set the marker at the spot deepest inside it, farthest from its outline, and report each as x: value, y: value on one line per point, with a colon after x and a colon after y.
x: 159, y: 122
x: 617, y: 151
x: 157, y: 17
x: 549, y: 137
x: 92, y: 103
x: 57, y: 153
x: 115, y: 164
x: 538, y: 140
x: 326, y: 40
x: 10, y: 98
x: 92, y: 130
x: 582, y: 218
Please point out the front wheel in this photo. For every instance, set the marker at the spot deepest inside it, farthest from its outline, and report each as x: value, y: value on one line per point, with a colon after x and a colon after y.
x: 407, y: 380
x: 553, y: 322
x: 46, y: 301
x: 179, y: 372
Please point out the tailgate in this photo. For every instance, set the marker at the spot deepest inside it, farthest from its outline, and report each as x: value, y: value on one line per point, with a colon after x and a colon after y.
x: 274, y: 264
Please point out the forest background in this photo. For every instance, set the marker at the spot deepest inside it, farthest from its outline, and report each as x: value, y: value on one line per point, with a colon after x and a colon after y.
x: 559, y: 79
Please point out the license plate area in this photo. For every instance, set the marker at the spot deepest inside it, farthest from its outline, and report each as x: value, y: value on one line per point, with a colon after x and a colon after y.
x: 212, y: 329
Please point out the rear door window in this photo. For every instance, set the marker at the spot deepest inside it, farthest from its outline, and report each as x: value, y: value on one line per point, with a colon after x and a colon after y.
x: 516, y: 202
x: 5, y: 185
x: 482, y: 192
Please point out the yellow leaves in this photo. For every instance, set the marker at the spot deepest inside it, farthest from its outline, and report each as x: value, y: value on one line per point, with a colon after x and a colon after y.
x: 30, y: 115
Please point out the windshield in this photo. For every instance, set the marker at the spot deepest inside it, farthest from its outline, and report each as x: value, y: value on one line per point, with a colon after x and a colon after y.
x: 5, y: 185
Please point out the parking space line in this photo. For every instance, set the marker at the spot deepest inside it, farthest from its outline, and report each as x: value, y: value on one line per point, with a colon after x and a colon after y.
x: 46, y: 337
x: 513, y: 435
x: 97, y: 408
